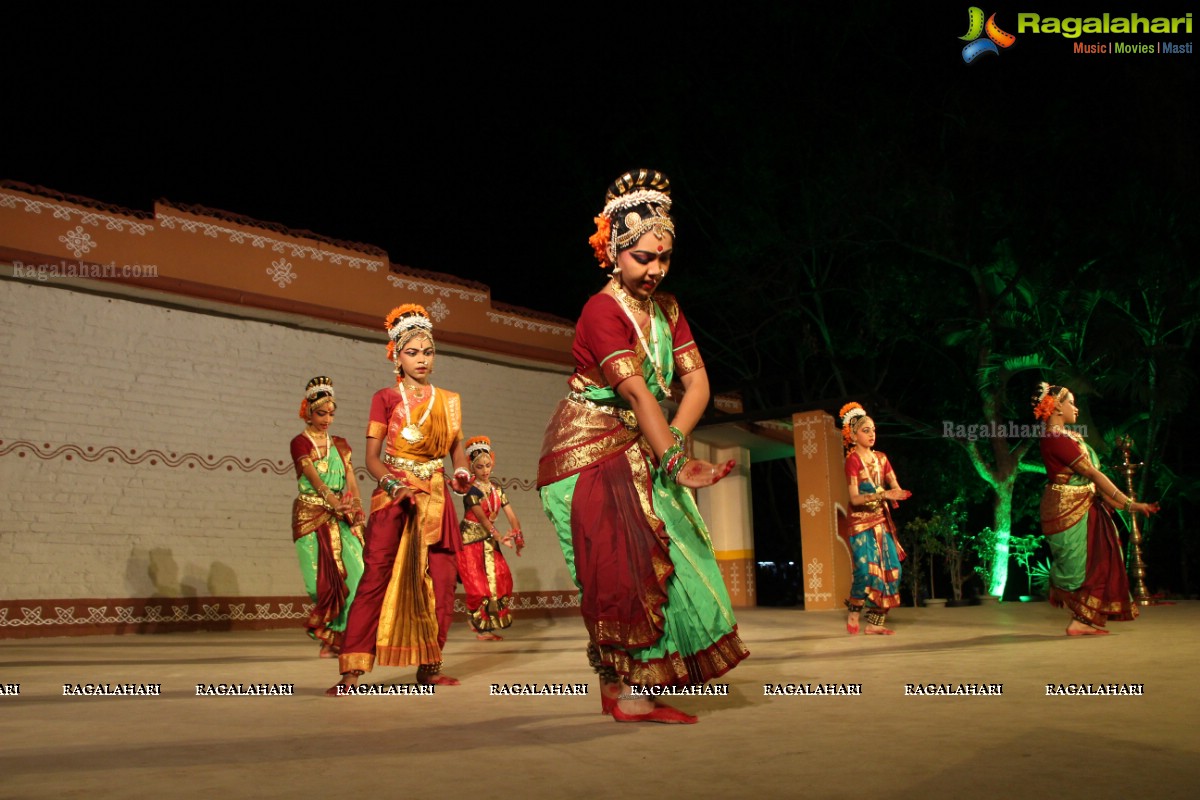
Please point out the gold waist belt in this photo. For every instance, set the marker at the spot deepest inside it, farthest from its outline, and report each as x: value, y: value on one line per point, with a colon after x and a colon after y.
x: 626, y: 415
x: 473, y: 532
x: 315, y: 500
x: 422, y: 469
x: 1070, y: 488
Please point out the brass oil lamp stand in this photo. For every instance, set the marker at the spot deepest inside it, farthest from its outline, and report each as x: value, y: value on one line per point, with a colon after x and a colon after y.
x: 1137, y: 567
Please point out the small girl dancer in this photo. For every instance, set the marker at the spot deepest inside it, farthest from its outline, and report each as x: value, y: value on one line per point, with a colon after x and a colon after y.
x: 872, y: 539
x: 481, y: 565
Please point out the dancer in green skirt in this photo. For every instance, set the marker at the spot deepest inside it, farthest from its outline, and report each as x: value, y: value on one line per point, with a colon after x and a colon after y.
x: 614, y: 476
x: 327, y: 518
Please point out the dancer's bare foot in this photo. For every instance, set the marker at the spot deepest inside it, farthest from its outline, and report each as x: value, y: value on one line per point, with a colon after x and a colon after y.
x: 610, y: 693
x: 879, y: 630
x: 327, y: 652
x: 489, y: 637
x: 436, y: 679
x: 646, y: 709
x: 343, y: 687
x: 852, y: 622
x: 1077, y: 628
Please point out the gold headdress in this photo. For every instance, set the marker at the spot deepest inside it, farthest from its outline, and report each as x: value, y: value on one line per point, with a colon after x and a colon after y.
x: 405, y: 322
x: 478, y: 446
x: 636, y: 203
x: 317, y: 393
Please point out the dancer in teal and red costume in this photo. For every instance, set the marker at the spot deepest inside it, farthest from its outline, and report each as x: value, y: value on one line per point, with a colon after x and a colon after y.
x: 874, y: 551
x: 1088, y: 576
x: 327, y: 518
x: 615, y: 477
x: 485, y: 575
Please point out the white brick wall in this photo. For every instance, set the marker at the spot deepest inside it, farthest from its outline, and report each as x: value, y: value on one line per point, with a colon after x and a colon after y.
x: 90, y: 371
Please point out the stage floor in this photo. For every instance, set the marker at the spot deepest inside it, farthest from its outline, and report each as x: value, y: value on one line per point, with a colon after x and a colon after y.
x: 465, y: 742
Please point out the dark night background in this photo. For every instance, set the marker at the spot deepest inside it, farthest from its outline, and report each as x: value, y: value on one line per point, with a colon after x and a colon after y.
x: 861, y: 214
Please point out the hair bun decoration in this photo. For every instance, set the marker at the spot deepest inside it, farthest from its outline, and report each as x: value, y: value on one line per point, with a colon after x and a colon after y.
x: 637, y: 202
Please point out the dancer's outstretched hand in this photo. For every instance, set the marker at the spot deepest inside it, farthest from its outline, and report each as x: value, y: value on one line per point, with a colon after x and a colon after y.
x: 697, y: 474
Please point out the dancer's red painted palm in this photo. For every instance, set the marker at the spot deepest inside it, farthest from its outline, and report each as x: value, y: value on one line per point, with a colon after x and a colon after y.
x: 697, y: 474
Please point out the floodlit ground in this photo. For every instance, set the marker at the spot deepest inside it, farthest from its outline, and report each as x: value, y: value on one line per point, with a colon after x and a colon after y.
x: 465, y: 742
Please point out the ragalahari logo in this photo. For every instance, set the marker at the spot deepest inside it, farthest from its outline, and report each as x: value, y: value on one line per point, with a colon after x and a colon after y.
x: 976, y: 27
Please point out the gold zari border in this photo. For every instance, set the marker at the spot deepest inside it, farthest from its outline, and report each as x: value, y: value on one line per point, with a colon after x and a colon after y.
x: 473, y: 532
x: 578, y: 436
x: 688, y: 359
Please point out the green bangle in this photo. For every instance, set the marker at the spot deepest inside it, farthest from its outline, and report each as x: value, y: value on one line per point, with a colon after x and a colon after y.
x: 678, y: 434
x: 670, y: 452
x: 677, y: 467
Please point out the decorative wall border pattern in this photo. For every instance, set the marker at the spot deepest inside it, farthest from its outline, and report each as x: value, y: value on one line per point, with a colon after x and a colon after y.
x: 83, y: 617
x: 261, y: 240
x: 521, y: 323
x: 729, y: 403
x: 417, y: 285
x: 90, y: 453
x: 113, y: 453
x: 550, y: 602
x: 86, y: 216
x: 70, y: 617
x: 509, y: 484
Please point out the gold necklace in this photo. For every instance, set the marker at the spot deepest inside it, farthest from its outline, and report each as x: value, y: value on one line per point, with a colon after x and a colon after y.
x: 629, y: 305
x: 321, y: 462
x: 871, y: 466
x: 628, y: 301
x: 412, y: 433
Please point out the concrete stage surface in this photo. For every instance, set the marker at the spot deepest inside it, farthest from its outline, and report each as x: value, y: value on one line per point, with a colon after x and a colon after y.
x: 463, y: 742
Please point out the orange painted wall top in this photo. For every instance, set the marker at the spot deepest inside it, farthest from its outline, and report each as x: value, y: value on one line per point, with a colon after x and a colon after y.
x: 200, y: 253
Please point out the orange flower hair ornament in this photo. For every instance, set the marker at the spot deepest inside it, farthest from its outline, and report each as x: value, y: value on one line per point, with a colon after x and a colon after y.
x: 851, y: 416
x: 478, y: 446
x: 600, y: 239
x: 403, y: 323
x: 1046, y: 400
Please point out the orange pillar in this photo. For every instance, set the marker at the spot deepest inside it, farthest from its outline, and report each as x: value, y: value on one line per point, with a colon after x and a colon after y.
x: 824, y: 498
